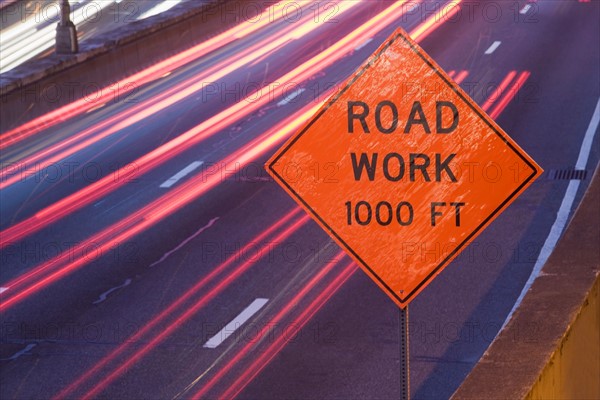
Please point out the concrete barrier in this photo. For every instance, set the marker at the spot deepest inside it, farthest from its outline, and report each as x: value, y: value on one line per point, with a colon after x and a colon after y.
x: 559, y: 357
x: 40, y: 86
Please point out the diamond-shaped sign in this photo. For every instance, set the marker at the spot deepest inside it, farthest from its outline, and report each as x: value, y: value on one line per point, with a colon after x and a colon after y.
x: 402, y: 168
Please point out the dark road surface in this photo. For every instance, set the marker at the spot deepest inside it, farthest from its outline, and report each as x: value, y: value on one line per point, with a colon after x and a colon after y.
x: 146, y: 253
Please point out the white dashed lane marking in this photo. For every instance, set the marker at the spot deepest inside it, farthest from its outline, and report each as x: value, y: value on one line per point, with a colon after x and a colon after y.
x: 493, y: 47
x: 238, y: 321
x: 173, y: 180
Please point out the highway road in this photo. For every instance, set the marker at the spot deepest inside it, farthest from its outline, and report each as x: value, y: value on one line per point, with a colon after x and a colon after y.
x: 146, y: 253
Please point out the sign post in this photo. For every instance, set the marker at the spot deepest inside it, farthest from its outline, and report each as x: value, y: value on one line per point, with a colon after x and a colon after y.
x: 404, y: 354
x: 403, y: 170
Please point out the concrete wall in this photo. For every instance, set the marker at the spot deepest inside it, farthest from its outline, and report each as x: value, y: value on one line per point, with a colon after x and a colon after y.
x: 550, y: 349
x: 574, y: 369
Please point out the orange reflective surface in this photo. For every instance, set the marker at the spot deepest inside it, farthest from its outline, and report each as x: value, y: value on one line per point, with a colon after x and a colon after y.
x: 402, y: 168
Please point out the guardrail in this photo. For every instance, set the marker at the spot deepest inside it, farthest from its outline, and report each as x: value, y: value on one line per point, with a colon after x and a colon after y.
x: 562, y: 359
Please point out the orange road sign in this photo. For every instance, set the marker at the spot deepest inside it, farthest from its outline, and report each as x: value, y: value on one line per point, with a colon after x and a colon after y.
x: 402, y: 168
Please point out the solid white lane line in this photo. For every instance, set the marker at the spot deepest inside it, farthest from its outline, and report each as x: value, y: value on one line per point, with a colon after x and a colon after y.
x: 291, y: 97
x: 363, y: 44
x: 3, y: 289
x: 562, y: 216
x: 104, y: 295
x: 493, y: 47
x: 180, y: 245
x: 238, y: 321
x: 525, y: 9
x: 588, y: 139
x: 173, y: 180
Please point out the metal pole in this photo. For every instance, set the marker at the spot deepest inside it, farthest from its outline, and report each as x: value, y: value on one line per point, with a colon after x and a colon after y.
x: 66, y: 33
x: 404, y: 364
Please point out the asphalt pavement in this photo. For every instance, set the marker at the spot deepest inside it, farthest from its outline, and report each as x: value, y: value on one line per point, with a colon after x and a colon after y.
x: 147, y: 254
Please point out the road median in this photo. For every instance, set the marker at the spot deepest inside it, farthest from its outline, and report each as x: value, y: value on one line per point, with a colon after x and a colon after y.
x: 40, y: 86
